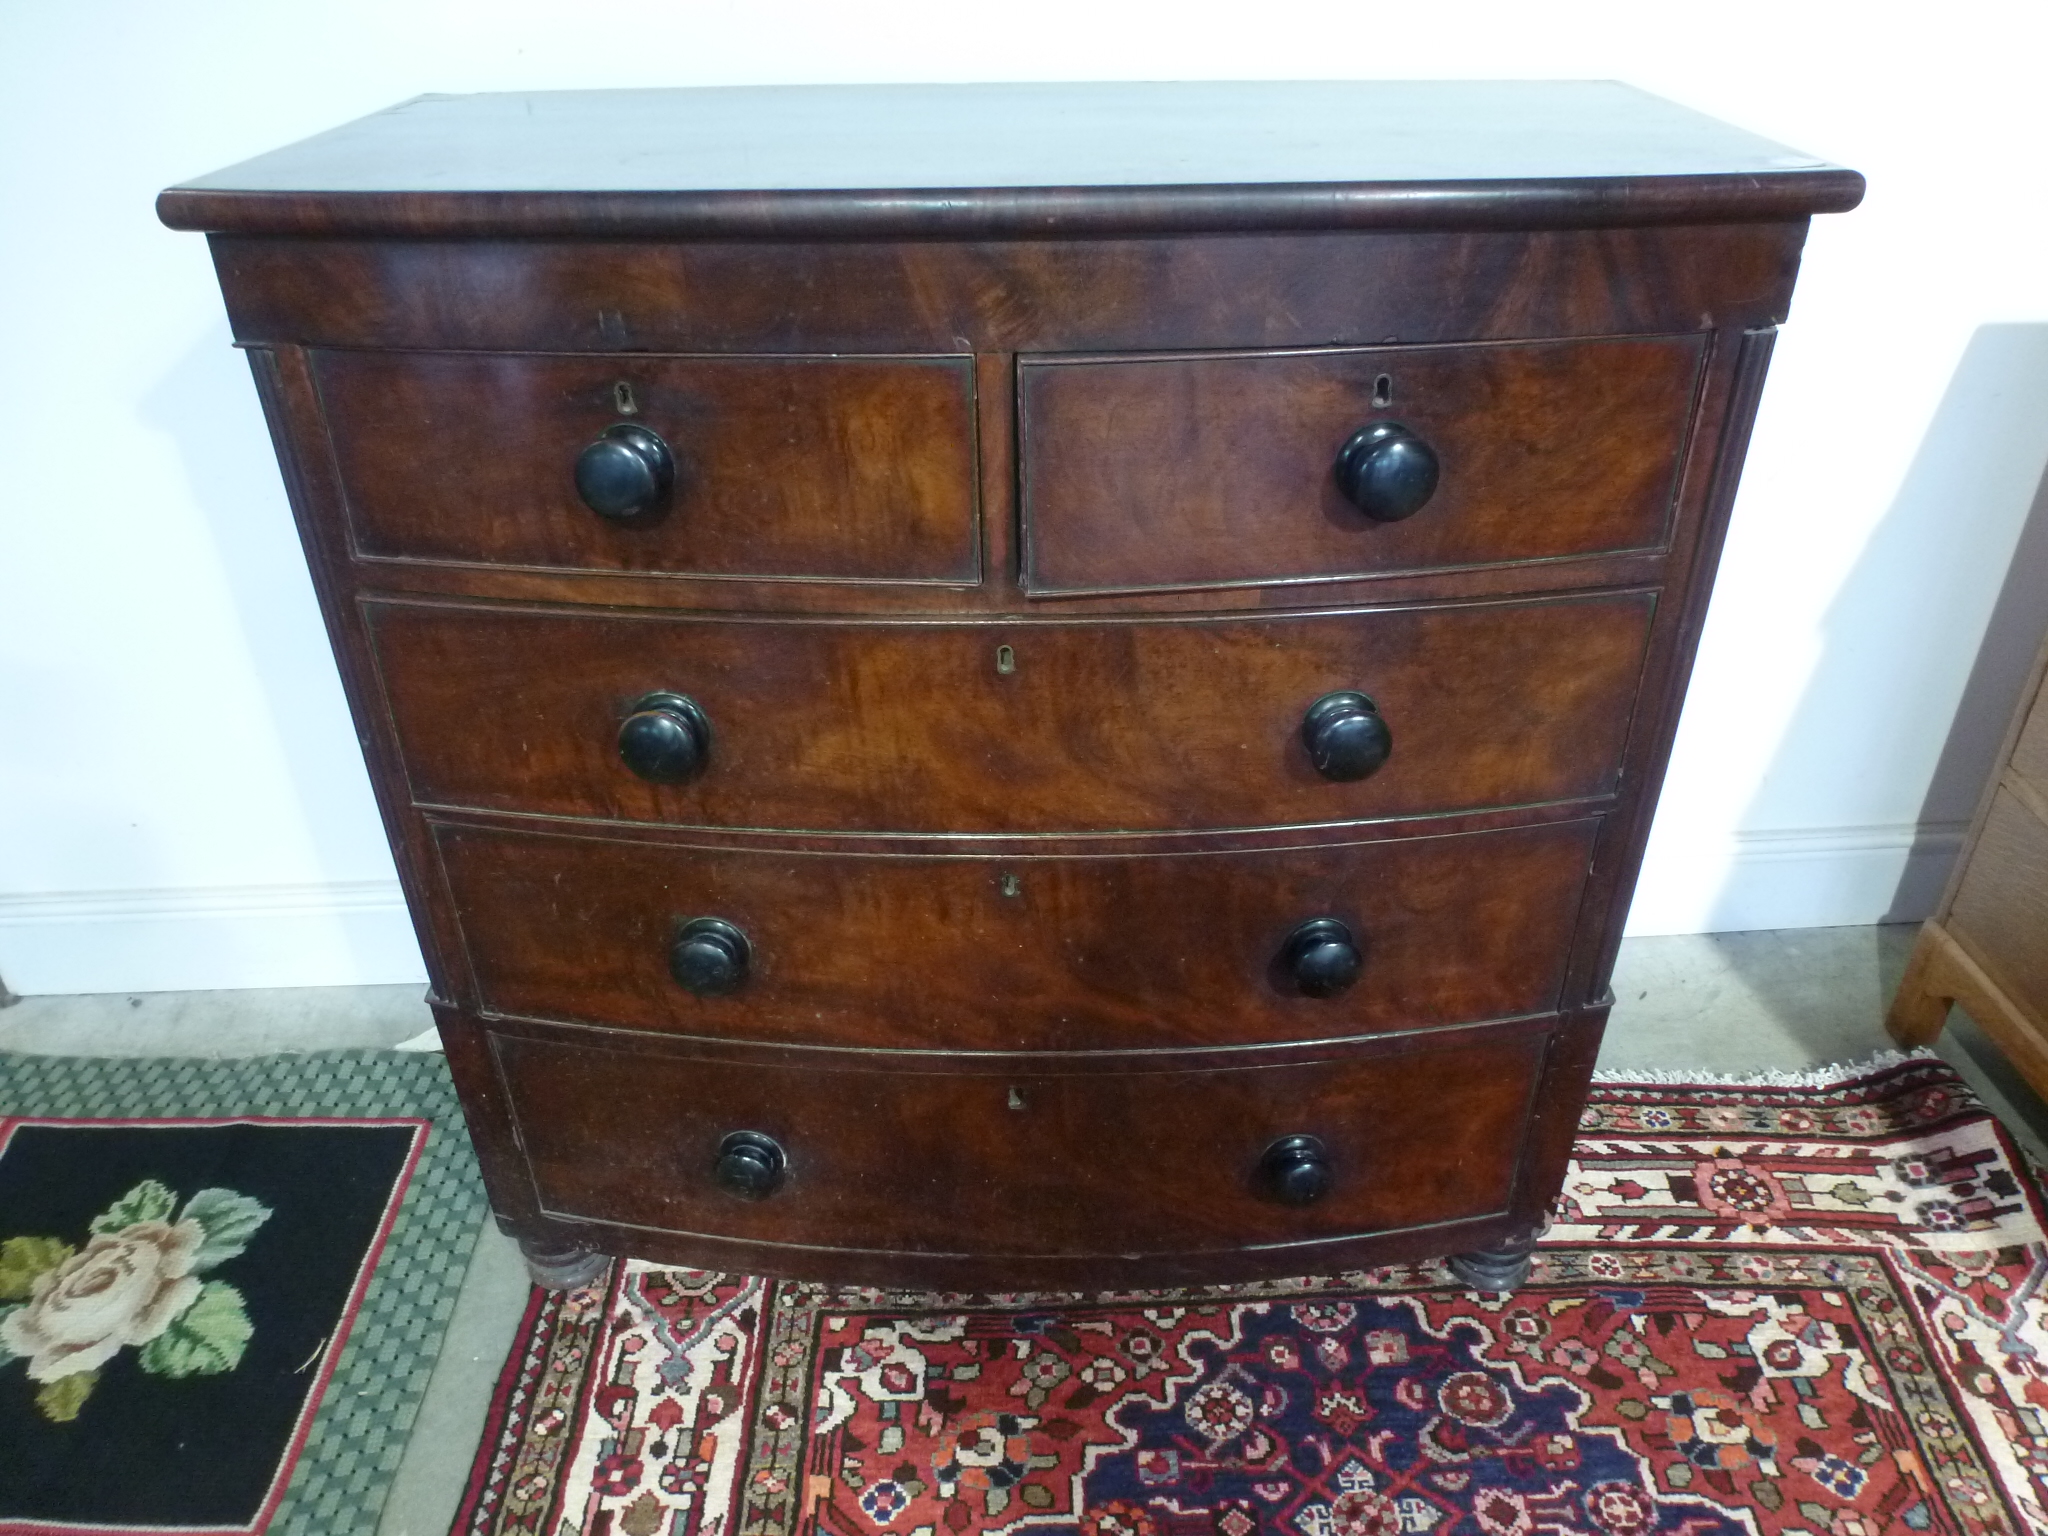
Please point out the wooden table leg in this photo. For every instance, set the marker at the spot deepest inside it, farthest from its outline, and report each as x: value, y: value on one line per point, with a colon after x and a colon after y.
x: 1925, y: 996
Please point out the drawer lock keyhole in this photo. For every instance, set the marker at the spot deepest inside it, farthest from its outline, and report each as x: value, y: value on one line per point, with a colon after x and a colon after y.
x: 1006, y: 661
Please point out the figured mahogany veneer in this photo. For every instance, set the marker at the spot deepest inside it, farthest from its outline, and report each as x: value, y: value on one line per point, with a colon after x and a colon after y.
x: 1035, y: 1160
x: 786, y: 467
x: 1099, y: 726
x: 1020, y: 952
x: 1215, y: 470
x: 945, y: 483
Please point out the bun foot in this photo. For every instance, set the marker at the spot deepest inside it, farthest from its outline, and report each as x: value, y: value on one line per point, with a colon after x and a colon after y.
x: 556, y: 1267
x: 1496, y: 1269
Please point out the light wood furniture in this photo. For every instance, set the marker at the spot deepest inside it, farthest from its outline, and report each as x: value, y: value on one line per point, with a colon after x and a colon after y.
x: 1027, y: 685
x: 1985, y: 950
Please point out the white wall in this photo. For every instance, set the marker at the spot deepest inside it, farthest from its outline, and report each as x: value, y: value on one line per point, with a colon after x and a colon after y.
x: 181, y: 802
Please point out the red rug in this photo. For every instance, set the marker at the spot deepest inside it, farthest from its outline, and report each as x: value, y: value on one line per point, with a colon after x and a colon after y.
x: 1812, y: 1308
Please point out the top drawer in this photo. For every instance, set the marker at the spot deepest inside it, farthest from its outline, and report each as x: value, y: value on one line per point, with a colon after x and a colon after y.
x: 1218, y: 469
x: 847, y: 469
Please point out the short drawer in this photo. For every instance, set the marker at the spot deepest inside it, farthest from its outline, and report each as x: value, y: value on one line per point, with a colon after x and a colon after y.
x: 1021, y: 727
x: 1023, y: 1157
x: 1218, y: 469
x: 960, y: 952
x: 851, y: 469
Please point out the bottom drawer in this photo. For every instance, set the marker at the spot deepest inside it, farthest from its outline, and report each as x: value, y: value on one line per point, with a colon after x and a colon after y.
x: 1145, y: 1155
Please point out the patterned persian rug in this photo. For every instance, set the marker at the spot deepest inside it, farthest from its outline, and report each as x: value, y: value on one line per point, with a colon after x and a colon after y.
x: 1809, y: 1307
x: 222, y: 1284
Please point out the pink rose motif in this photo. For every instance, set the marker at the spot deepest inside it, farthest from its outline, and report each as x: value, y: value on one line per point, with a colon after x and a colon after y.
x: 125, y: 1288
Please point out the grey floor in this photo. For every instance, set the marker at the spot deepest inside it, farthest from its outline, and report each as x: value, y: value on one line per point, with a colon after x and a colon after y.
x: 1725, y: 1003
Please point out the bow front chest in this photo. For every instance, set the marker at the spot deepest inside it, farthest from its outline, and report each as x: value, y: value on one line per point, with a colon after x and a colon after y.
x: 1017, y: 686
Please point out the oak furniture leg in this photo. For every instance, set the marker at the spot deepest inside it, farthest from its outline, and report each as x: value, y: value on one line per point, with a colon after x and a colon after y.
x: 1941, y: 972
x: 1920, y: 1010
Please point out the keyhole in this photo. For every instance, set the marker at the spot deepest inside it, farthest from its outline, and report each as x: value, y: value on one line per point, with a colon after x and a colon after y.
x: 1016, y: 1097
x: 622, y: 397
x: 1383, y: 389
x: 1006, y: 660
x: 1010, y: 886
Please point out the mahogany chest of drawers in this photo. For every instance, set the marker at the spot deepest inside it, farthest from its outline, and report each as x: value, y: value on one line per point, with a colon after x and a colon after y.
x: 1017, y: 686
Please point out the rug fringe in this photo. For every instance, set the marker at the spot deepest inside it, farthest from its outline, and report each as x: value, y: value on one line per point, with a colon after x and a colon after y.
x: 1817, y: 1077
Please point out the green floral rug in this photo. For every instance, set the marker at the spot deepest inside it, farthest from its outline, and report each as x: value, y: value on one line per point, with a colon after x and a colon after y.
x: 223, y: 1285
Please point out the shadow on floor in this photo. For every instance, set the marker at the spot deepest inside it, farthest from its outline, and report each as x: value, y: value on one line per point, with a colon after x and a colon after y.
x: 1783, y: 1000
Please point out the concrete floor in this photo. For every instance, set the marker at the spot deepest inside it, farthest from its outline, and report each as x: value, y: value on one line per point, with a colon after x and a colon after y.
x: 1725, y: 1003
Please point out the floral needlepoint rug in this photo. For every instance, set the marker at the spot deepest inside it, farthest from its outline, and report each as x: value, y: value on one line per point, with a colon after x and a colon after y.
x: 179, y: 1288
x: 1805, y: 1307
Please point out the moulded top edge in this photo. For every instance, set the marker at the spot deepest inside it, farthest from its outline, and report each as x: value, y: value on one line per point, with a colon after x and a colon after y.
x: 1016, y: 160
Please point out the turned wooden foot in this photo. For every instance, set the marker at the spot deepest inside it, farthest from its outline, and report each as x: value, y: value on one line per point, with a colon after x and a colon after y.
x: 558, y: 1267
x: 1496, y: 1269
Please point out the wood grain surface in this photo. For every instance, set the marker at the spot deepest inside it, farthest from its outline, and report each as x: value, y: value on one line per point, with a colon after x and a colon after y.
x: 857, y: 469
x: 1209, y: 470
x: 1023, y: 1158
x: 1099, y: 726
x: 979, y: 953
x: 1281, y: 290
x: 1005, y: 643
x: 2000, y: 909
x: 1030, y: 158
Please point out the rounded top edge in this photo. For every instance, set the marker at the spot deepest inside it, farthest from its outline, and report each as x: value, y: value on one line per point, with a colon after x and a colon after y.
x: 1019, y: 212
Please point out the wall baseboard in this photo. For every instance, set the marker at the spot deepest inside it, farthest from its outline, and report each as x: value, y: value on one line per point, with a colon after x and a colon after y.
x: 358, y: 934
x: 1802, y: 877
x: 353, y: 933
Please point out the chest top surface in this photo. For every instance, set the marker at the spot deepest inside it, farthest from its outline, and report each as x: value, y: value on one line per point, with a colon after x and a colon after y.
x: 1016, y: 159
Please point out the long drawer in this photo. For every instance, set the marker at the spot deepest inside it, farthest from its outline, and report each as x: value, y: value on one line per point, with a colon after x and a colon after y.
x: 1220, y: 469
x: 839, y: 468
x: 958, y: 953
x: 1031, y: 1158
x: 1017, y: 727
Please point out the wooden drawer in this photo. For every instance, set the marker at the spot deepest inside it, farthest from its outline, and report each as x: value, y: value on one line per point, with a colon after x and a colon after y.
x: 844, y: 469
x: 1023, y: 1157
x: 2030, y: 750
x: 1217, y: 469
x: 1999, y: 911
x: 914, y: 727
x: 1029, y: 953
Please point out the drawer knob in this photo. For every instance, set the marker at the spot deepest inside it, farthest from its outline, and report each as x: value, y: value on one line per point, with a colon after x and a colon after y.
x: 1346, y: 736
x: 1322, y: 956
x: 749, y: 1165
x: 627, y: 473
x: 1296, y: 1170
x: 710, y: 957
x: 1387, y: 472
x: 666, y: 739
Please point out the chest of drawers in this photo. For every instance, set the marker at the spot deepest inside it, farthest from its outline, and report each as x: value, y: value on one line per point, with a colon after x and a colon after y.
x: 1017, y: 686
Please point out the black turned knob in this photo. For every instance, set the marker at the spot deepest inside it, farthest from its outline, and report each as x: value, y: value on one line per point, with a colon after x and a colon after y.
x: 1387, y: 472
x: 666, y: 739
x: 709, y: 957
x: 1296, y: 1170
x: 627, y: 473
x: 749, y: 1165
x: 1346, y: 736
x: 1322, y: 957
